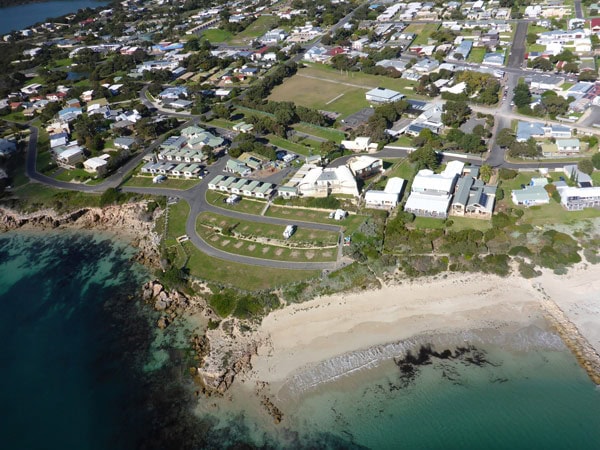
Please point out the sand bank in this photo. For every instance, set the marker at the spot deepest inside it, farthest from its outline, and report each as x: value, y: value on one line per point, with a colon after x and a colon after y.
x: 301, y: 336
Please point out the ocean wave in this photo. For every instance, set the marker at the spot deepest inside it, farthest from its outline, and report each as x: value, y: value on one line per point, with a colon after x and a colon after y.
x: 525, y: 339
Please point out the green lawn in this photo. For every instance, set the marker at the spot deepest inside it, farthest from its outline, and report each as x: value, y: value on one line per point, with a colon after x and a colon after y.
x: 78, y: 175
x: 403, y: 169
x: 35, y: 196
x: 422, y: 30
x: 476, y: 55
x: 403, y: 141
x: 553, y: 213
x: 292, y: 146
x: 178, y: 214
x: 325, y: 133
x: 256, y: 29
x: 245, y: 205
x: 243, y: 276
x: 303, y: 237
x: 429, y: 223
x: 221, y: 123
x: 466, y: 223
x: 536, y: 48
x: 217, y: 35
x: 170, y: 183
x: 349, y: 224
x: 263, y: 250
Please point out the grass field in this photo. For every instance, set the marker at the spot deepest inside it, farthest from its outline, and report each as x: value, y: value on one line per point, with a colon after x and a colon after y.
x: 78, y: 175
x: 403, y: 169
x: 263, y: 250
x: 422, y: 30
x: 325, y: 133
x: 216, y: 35
x: 303, y: 237
x: 292, y: 146
x: 245, y: 205
x: 242, y: 276
x: 476, y: 55
x: 170, y: 183
x: 257, y: 28
x: 349, y: 224
x: 321, y: 87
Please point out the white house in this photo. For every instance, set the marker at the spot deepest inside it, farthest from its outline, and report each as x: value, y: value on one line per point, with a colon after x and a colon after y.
x: 383, y: 95
x: 360, y: 144
x: 431, y: 193
x: 388, y: 198
x: 98, y: 165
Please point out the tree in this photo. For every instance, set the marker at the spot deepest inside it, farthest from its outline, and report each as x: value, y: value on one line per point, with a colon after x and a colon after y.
x: 596, y: 161
x: 586, y: 166
x: 505, y: 137
x: 531, y: 38
x: 522, y: 95
x: 542, y: 63
x: 486, y: 173
x: 455, y: 113
x: 425, y: 156
x: 222, y: 111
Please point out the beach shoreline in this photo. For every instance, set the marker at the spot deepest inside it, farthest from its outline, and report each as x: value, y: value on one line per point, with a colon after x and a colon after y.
x: 344, y: 333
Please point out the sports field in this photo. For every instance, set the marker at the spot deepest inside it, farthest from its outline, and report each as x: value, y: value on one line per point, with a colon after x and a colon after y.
x: 322, y: 87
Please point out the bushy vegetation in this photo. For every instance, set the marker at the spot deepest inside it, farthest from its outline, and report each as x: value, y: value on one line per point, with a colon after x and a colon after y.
x: 243, y: 305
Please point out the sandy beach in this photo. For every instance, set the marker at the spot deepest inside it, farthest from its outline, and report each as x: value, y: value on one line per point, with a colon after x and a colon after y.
x: 300, y: 336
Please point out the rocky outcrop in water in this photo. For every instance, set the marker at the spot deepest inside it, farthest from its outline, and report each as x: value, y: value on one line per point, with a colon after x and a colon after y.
x: 172, y: 303
x: 224, y: 353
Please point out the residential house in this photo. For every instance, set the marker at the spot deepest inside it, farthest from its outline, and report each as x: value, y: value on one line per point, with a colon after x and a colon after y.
x: 526, y: 130
x: 98, y: 165
x: 273, y: 37
x: 7, y: 147
x: 236, y: 166
x: 243, y: 127
x: 494, y: 59
x: 425, y: 66
x: 463, y: 49
x: 389, y: 197
x: 313, y: 181
x: 69, y: 157
x: 360, y: 144
x: 365, y: 166
x: 472, y: 198
x: 69, y: 114
x: 173, y: 93
x: 576, y: 199
x: 125, y: 143
x: 431, y: 193
x: 530, y: 196
x: 58, y: 139
x: 582, y: 179
x: 568, y: 146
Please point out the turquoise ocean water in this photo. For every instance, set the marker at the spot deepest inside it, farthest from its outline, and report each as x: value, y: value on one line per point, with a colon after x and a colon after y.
x: 83, y: 367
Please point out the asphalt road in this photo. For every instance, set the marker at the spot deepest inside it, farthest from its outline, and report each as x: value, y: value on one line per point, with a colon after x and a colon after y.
x: 578, y: 10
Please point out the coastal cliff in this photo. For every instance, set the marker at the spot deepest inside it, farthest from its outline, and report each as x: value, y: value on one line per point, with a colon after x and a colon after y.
x: 131, y: 221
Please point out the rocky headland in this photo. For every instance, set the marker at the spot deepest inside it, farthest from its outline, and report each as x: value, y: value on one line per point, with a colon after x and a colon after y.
x: 130, y: 221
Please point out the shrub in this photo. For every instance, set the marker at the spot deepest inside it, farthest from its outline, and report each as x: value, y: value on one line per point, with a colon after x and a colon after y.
x: 507, y: 174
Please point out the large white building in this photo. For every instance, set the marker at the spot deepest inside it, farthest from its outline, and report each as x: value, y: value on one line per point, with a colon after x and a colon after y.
x: 576, y: 199
x: 383, y: 95
x: 388, y: 198
x: 313, y: 181
x: 431, y: 192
